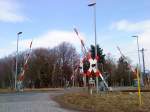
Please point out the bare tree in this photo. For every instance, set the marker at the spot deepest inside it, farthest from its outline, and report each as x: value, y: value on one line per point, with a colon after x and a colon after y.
x: 46, y: 67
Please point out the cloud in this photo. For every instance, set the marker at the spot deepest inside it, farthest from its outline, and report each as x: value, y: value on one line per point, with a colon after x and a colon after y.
x: 145, y: 38
x: 7, y: 51
x: 142, y: 29
x: 10, y: 11
x: 145, y: 43
x: 124, y: 25
x: 51, y: 39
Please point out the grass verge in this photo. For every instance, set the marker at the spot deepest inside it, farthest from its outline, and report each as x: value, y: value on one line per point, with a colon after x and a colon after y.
x: 105, y: 102
x: 7, y: 90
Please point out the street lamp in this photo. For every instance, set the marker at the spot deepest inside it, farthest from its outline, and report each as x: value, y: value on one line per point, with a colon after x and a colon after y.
x: 93, y: 4
x: 18, y: 34
x: 137, y: 37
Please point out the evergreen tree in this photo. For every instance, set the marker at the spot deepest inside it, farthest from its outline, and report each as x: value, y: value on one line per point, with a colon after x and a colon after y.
x: 101, y: 56
x: 123, y: 73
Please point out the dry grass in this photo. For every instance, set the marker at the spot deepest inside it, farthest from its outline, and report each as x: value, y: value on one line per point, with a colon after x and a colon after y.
x: 106, y: 102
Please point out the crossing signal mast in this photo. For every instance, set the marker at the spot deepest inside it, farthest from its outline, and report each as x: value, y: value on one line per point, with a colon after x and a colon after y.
x: 134, y: 70
x: 121, y: 52
x: 118, y: 48
x: 84, y: 51
x: 92, y: 63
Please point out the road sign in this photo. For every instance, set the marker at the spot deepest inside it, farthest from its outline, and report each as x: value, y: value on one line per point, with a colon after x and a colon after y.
x: 91, y: 81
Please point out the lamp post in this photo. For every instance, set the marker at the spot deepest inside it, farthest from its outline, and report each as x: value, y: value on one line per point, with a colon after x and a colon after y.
x: 93, y: 4
x: 137, y: 38
x: 18, y: 34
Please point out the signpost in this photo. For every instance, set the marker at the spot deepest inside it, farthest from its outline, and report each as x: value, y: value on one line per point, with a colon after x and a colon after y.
x: 91, y: 85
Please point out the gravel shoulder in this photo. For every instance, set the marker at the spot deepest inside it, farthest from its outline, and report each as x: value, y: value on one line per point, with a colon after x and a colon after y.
x: 31, y: 102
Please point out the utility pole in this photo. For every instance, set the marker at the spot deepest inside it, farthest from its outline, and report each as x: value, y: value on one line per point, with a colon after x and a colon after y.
x: 142, y: 50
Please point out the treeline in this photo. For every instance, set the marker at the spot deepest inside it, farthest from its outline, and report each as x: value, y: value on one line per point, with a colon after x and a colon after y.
x: 46, y: 67
x: 54, y: 67
x: 116, y: 72
x: 119, y: 72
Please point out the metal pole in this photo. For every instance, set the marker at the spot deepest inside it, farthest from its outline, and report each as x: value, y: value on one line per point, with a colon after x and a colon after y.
x: 94, y: 9
x: 141, y: 76
x: 16, y: 63
x: 143, y: 60
x: 17, y: 60
x: 95, y: 44
x: 73, y: 74
x: 139, y: 61
x: 138, y: 52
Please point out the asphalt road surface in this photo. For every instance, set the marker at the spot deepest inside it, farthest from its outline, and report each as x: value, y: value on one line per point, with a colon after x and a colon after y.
x: 30, y: 102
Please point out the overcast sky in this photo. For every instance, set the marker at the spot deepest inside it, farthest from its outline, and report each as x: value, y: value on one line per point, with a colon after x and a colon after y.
x: 50, y: 22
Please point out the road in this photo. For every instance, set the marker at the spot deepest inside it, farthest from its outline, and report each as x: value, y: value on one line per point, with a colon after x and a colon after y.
x: 30, y: 102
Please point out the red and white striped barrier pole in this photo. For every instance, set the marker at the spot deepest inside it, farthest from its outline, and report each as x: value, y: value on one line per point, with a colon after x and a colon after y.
x: 21, y: 76
x: 84, y: 50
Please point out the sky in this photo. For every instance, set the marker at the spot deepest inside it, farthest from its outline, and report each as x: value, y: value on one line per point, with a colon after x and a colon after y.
x: 50, y: 22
